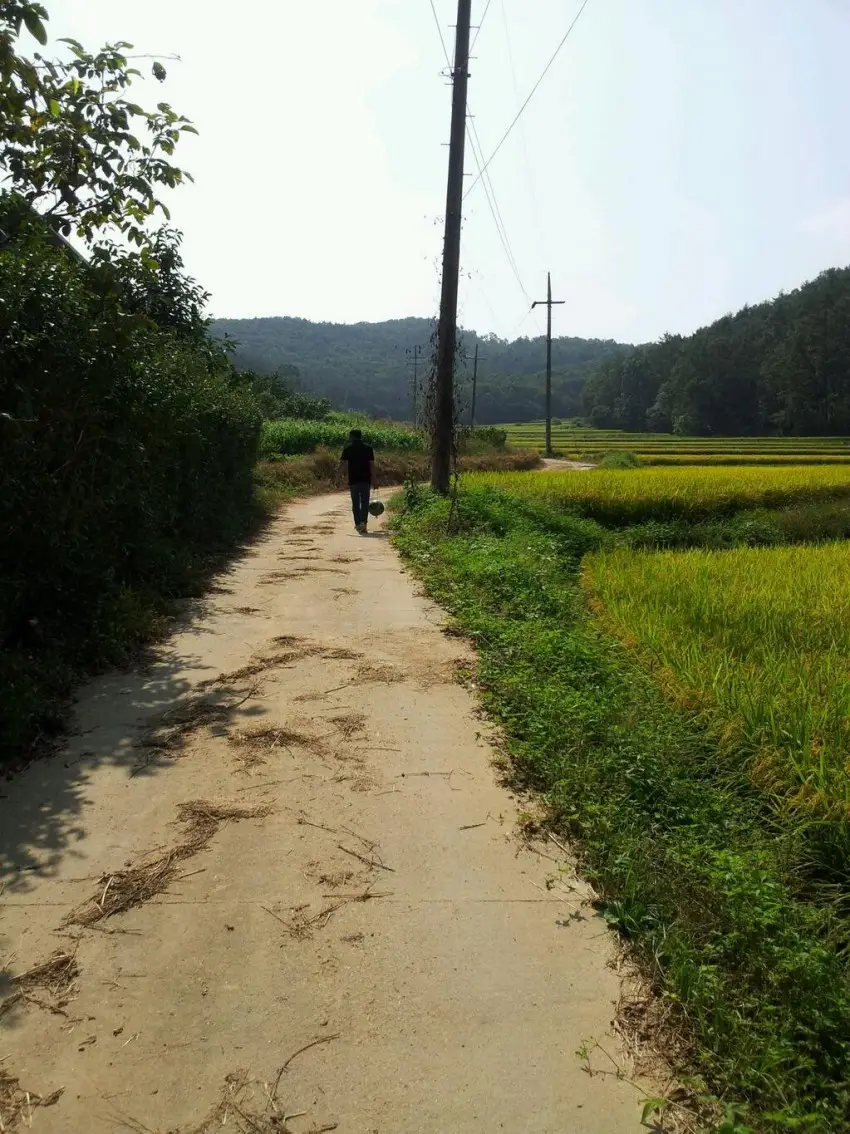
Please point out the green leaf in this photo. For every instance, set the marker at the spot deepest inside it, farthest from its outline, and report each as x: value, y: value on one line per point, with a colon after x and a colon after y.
x: 650, y: 1106
x: 55, y: 109
x: 159, y: 72
x: 75, y: 45
x: 34, y: 26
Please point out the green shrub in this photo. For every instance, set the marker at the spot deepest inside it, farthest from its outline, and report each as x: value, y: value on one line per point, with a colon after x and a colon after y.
x: 481, y: 438
x: 126, y: 455
x: 278, y: 398
x: 617, y: 459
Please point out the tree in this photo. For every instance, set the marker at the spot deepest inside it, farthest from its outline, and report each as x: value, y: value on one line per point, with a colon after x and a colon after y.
x: 277, y: 397
x: 153, y: 283
x: 73, y: 146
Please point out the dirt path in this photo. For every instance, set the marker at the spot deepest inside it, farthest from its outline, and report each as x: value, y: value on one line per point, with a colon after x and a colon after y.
x: 357, y: 890
x: 559, y: 464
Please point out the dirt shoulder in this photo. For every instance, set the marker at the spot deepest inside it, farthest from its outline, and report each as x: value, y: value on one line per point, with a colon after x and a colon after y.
x: 276, y: 879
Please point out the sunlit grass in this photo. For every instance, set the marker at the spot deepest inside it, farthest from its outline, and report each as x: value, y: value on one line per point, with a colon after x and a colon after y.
x: 659, y: 448
x: 757, y: 640
x: 674, y: 457
x: 629, y: 496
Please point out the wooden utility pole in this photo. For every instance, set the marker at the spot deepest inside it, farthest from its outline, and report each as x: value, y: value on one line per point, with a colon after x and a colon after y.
x: 549, y: 303
x: 474, y: 386
x: 415, y: 355
x: 443, y: 424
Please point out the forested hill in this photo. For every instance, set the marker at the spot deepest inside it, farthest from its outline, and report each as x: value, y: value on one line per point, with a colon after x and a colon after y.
x: 368, y: 366
x: 780, y: 367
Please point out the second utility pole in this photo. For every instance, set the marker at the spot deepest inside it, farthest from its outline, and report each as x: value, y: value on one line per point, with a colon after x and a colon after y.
x: 415, y: 354
x: 474, y: 386
x: 444, y: 409
x: 549, y: 303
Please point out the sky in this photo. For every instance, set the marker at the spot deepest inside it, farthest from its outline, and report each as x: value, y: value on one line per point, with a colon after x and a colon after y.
x: 682, y: 157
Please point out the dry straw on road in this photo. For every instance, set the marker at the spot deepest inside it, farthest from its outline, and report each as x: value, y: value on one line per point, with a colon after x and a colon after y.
x: 141, y: 882
x: 247, y: 1106
x: 54, y: 977
x: 17, y: 1105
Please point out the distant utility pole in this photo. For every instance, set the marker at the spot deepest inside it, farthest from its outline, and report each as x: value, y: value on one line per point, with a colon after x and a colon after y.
x: 443, y: 425
x: 549, y: 303
x: 474, y: 385
x: 414, y: 355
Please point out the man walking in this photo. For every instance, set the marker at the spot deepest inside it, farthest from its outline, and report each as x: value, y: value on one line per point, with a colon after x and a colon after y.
x: 360, y: 459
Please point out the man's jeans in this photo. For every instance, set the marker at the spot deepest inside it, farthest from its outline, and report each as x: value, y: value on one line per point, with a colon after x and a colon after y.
x: 360, y: 494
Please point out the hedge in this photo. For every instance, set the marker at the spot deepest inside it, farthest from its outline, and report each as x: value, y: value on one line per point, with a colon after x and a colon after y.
x: 126, y: 456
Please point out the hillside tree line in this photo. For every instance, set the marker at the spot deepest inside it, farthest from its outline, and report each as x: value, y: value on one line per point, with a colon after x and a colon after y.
x: 368, y: 367
x: 781, y: 367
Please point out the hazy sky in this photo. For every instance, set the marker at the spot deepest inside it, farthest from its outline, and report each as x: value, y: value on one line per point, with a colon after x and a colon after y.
x: 682, y: 158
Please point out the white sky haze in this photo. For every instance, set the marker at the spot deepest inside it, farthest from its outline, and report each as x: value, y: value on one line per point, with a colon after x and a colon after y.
x: 682, y: 157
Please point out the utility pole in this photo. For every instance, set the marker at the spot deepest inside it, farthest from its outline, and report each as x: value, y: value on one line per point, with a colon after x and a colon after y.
x: 443, y: 425
x: 549, y: 303
x: 415, y: 355
x: 474, y: 386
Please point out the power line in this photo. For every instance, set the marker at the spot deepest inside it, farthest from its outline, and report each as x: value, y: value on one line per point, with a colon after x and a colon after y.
x: 481, y: 25
x: 495, y: 211
x: 528, y: 315
x: 534, y: 91
x: 492, y: 200
x: 489, y: 191
x: 487, y: 302
x: 442, y: 37
x: 535, y: 207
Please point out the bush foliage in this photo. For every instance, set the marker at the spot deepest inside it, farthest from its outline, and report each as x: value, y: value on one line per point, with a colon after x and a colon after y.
x: 126, y: 454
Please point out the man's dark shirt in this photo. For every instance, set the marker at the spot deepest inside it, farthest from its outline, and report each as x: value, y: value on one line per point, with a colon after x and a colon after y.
x: 358, y: 455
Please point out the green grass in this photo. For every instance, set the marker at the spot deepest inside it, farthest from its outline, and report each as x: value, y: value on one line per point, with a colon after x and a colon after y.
x: 756, y: 640
x: 720, y: 894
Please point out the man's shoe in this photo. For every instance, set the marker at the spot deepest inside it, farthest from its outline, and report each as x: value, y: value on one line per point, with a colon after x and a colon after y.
x: 362, y: 529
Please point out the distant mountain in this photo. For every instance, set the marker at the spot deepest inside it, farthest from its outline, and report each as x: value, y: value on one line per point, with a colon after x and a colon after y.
x: 368, y: 366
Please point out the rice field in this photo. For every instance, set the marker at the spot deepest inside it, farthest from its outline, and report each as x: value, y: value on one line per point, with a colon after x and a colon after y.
x: 636, y: 495
x: 575, y: 442
x: 755, y: 640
